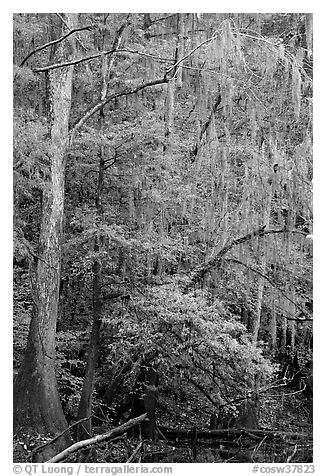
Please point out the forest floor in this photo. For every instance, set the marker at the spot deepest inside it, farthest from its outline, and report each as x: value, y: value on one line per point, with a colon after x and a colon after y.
x: 284, y: 410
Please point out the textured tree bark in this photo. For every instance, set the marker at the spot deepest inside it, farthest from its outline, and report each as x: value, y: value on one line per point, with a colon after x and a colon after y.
x: 273, y: 328
x: 180, y: 47
x: 145, y: 402
x: 261, y: 281
x: 84, y: 430
x: 169, y: 115
x: 37, y: 404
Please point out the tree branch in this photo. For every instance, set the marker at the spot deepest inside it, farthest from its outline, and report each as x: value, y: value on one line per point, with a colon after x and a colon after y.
x: 175, y: 65
x: 204, y: 127
x: 77, y: 39
x: 103, y: 103
x: 107, y: 69
x: 202, y: 389
x: 98, y: 55
x: 98, y: 439
x: 97, y: 107
x: 137, y: 450
x: 275, y: 286
x: 161, y: 19
x: 228, y: 432
x: 54, y: 42
x: 39, y: 448
x: 216, y: 260
x: 30, y: 250
x: 297, y: 319
x: 72, y: 62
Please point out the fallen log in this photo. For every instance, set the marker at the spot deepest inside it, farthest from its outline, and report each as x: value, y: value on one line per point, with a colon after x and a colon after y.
x: 228, y: 432
x: 98, y: 439
x: 48, y: 443
x: 135, y: 452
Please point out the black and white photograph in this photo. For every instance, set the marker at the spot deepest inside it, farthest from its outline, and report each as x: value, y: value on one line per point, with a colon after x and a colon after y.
x: 163, y: 241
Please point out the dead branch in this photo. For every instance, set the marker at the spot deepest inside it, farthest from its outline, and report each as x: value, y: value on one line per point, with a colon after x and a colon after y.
x: 289, y: 459
x: 228, y: 433
x: 66, y: 24
x: 72, y: 62
x: 54, y: 42
x: 175, y: 65
x: 205, y: 126
x: 276, y: 287
x: 36, y: 450
x: 202, y: 389
x: 97, y: 107
x: 161, y: 19
x: 216, y: 260
x: 76, y: 61
x: 134, y: 454
x: 106, y: 71
x: 98, y: 439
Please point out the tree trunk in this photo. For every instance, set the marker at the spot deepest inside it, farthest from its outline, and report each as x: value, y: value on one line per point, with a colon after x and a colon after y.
x: 283, y: 344
x: 169, y: 115
x: 180, y: 47
x: 37, y: 404
x: 145, y: 402
x: 273, y: 327
x: 260, y: 295
x: 261, y: 281
x: 85, y: 406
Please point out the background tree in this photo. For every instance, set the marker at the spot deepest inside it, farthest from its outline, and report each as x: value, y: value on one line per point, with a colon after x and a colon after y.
x: 36, y: 398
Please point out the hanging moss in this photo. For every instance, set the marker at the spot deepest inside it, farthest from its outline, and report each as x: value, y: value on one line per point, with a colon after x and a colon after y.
x: 226, y: 37
x: 211, y: 137
x: 132, y: 214
x: 253, y: 123
x: 296, y: 90
x: 309, y: 30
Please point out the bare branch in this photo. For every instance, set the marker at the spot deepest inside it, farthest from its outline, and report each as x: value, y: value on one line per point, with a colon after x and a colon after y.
x: 229, y: 432
x: 275, y: 286
x: 175, y: 65
x: 72, y: 62
x: 103, y: 103
x: 204, y: 127
x: 77, y: 39
x: 97, y: 107
x: 98, y: 55
x: 107, y: 65
x: 298, y: 319
x: 216, y: 260
x: 39, y: 448
x: 162, y: 18
x: 274, y: 44
x: 30, y: 250
x: 202, y: 389
x: 134, y: 454
x: 98, y: 439
x: 54, y: 42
